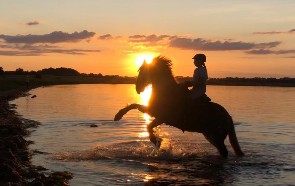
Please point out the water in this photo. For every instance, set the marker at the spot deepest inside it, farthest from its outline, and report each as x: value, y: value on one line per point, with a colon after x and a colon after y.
x: 119, y: 153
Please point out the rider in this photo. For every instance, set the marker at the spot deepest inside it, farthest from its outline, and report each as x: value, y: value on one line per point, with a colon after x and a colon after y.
x: 198, y: 92
x: 197, y: 95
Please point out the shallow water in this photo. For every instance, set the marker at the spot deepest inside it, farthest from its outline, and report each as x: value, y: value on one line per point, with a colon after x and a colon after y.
x: 119, y: 153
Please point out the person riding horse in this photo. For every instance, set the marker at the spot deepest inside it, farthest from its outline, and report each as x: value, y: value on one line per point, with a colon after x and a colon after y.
x: 198, y: 92
x: 167, y: 105
x: 196, y: 97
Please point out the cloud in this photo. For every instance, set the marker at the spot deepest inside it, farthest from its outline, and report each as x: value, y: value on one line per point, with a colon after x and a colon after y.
x: 187, y: 43
x: 260, y: 52
x: 38, y: 50
x: 272, y: 32
x: 32, y: 23
x: 267, y: 45
x: 263, y: 52
x: 54, y: 37
x: 202, y: 44
x: 148, y: 39
x: 276, y: 32
x: 105, y: 37
x: 12, y: 53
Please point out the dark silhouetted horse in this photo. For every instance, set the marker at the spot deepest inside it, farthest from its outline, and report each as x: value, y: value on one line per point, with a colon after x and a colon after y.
x: 168, y: 104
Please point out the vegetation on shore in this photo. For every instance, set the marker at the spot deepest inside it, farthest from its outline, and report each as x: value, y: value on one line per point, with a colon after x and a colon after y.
x: 18, y: 79
x: 16, y: 167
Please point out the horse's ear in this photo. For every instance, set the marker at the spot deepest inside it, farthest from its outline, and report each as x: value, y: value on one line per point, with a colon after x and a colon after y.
x: 143, y: 65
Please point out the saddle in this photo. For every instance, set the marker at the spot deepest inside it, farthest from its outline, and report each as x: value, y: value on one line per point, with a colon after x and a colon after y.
x: 202, y: 99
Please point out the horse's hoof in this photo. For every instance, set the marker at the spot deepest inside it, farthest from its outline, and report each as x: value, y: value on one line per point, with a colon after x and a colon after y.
x: 156, y: 141
x: 118, y: 117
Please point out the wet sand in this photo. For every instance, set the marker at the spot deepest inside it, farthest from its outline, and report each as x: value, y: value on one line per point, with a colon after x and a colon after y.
x: 16, y: 167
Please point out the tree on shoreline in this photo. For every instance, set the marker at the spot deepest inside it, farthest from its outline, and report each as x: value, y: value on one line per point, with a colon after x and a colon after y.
x: 99, y: 78
x: 1, y: 71
x: 62, y: 71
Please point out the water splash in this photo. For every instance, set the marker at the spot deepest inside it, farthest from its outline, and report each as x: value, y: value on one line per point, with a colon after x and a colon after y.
x: 134, y: 150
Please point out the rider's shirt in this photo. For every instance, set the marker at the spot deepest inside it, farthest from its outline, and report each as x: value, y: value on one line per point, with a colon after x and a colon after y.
x: 200, y: 74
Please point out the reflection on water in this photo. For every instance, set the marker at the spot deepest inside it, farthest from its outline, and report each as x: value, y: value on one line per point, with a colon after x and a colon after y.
x: 145, y: 97
x: 119, y: 153
x: 144, y: 100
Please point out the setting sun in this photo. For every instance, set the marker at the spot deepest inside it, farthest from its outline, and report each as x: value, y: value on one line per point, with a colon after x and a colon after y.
x: 140, y: 58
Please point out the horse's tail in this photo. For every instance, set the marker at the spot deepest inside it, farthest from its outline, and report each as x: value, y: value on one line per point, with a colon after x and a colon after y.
x: 233, y: 139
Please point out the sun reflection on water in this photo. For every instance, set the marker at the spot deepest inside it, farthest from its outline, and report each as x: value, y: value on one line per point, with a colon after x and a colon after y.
x: 145, y: 95
x: 144, y: 99
x: 148, y: 178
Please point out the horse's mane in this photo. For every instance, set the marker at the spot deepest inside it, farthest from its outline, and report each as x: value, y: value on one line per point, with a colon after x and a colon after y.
x: 162, y: 64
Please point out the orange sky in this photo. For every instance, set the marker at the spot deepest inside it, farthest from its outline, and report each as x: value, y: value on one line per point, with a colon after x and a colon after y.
x: 241, y: 39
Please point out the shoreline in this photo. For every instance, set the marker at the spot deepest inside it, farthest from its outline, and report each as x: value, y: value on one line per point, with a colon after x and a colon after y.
x: 16, y: 167
x: 19, y: 82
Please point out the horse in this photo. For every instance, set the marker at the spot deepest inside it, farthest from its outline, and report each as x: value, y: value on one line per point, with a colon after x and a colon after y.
x: 168, y: 104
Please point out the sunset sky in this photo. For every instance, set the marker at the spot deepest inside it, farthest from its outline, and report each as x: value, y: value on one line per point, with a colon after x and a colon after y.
x: 240, y: 38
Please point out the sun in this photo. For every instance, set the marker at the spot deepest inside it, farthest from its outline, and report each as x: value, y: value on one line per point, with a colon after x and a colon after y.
x: 140, y: 58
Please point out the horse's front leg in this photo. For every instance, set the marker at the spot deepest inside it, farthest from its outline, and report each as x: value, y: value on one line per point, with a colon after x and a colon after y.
x: 153, y: 138
x: 126, y: 109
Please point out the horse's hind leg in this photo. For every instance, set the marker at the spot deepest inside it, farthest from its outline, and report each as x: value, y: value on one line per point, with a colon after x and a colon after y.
x: 218, y: 142
x: 222, y: 149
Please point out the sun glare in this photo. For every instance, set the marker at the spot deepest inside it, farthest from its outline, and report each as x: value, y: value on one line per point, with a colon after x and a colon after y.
x: 140, y: 58
x: 145, y: 97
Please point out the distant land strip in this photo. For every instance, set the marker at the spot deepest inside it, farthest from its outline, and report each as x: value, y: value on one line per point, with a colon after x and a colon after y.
x: 20, y: 79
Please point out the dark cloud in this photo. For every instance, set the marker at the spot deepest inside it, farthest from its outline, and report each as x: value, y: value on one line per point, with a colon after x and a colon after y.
x: 263, y: 51
x: 54, y: 37
x: 259, y: 52
x: 13, y: 53
x: 32, y: 23
x: 38, y: 50
x: 205, y: 45
x: 267, y: 45
x: 272, y: 32
x: 105, y: 37
x: 275, y: 32
x: 201, y: 44
x: 148, y: 39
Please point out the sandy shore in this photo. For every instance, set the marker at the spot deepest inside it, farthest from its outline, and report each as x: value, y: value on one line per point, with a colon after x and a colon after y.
x: 15, y: 156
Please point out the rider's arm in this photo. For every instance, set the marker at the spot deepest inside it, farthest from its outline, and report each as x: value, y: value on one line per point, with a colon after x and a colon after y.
x: 201, y: 81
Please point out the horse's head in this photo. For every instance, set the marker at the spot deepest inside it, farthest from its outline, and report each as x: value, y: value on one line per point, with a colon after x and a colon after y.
x: 143, y: 78
x: 157, y: 73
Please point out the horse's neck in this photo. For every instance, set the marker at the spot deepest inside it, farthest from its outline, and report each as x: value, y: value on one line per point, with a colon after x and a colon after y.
x: 163, y: 87
x: 166, y: 101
